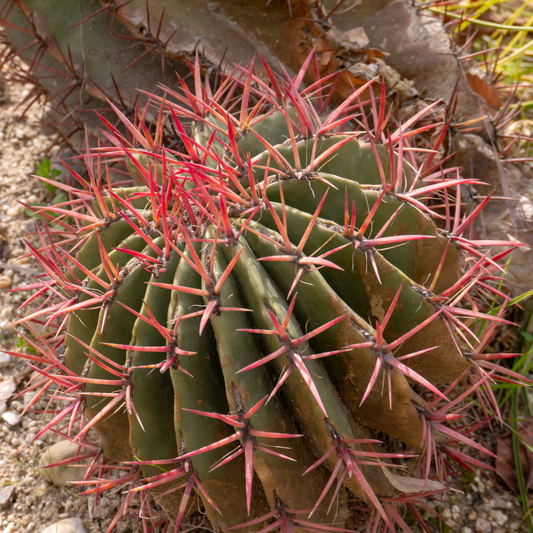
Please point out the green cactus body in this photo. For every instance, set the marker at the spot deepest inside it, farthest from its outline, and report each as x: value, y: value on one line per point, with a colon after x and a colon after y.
x: 263, y: 286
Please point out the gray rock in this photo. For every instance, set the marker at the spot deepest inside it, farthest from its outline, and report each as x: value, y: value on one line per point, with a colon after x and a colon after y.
x: 11, y: 418
x: 62, y: 474
x: 69, y: 525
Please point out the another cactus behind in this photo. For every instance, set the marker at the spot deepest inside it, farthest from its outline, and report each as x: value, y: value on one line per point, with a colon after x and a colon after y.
x: 82, y: 53
x: 261, y: 310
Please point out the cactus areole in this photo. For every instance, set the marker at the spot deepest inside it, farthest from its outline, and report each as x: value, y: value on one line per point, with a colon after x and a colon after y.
x: 248, y: 323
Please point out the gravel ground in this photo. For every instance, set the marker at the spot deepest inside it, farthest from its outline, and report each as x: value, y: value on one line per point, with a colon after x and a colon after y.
x: 28, y: 502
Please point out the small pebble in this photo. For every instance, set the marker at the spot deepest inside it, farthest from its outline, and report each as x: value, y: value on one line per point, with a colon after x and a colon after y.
x: 14, y: 210
x: 7, y: 388
x: 69, y: 525
x: 30, y: 527
x: 28, y: 397
x: 466, y: 530
x: 498, y: 517
x: 446, y: 513
x: 61, y: 474
x: 15, y: 441
x: 5, y: 282
x: 68, y: 505
x: 17, y: 406
x: 483, y: 526
x: 29, y: 437
x: 5, y: 359
x: 6, y: 492
x: 11, y: 418
x: 10, y: 527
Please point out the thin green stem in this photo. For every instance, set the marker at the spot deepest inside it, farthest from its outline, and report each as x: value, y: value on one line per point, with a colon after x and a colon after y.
x: 479, y: 22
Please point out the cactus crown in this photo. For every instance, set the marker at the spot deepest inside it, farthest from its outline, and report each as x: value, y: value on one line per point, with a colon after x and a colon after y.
x: 278, y: 293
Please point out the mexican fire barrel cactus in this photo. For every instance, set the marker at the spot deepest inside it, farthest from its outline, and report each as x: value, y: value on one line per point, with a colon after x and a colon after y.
x: 268, y: 309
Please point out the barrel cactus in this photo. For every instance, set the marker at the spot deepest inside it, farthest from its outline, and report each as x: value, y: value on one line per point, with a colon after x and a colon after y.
x: 270, y: 323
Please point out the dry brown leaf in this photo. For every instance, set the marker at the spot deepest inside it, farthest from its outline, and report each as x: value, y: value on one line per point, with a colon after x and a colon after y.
x: 485, y: 89
x: 357, y: 36
x: 411, y: 485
